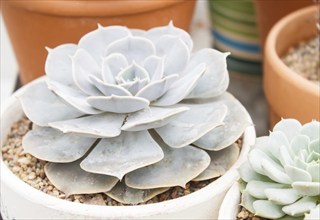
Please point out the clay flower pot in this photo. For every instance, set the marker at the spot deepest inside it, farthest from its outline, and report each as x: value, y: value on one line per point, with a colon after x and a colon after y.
x: 34, y: 204
x: 270, y: 11
x: 33, y: 25
x: 289, y: 94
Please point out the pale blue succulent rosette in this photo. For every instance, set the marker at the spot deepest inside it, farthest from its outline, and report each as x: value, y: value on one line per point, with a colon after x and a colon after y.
x: 235, y: 30
x: 281, y: 179
x: 132, y: 113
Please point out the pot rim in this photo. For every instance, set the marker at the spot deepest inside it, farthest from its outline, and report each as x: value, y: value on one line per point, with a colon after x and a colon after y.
x: 231, y: 203
x: 33, y: 195
x: 94, y: 8
x: 270, y: 52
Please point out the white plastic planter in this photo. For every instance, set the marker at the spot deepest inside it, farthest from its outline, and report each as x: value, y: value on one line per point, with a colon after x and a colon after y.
x: 21, y: 201
x: 231, y: 203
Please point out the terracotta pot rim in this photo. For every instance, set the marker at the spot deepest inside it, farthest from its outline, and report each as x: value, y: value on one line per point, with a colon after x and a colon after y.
x: 94, y: 8
x: 270, y: 52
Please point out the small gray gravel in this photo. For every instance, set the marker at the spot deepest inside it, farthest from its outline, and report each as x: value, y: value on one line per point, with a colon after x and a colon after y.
x: 31, y: 171
x: 305, y: 59
x: 244, y: 214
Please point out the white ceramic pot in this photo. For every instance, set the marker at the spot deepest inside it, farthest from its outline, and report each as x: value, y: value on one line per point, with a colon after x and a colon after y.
x: 21, y: 201
x: 231, y: 203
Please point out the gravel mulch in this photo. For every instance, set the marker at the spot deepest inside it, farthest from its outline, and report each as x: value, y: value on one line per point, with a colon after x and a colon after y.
x: 31, y: 171
x: 244, y: 214
x: 305, y: 59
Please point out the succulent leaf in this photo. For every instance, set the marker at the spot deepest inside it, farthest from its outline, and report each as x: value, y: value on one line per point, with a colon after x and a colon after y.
x: 257, y: 188
x: 234, y: 124
x: 300, y: 163
x: 247, y: 201
x: 52, y: 145
x: 299, y: 142
x: 176, y: 54
x: 71, y: 179
x: 83, y: 65
x: 39, y: 100
x: 267, y: 209
x: 99, y: 126
x: 192, y: 125
x: 314, y: 146
x: 307, y: 188
x: 155, y: 67
x: 262, y: 143
x: 134, y: 86
x: 157, y: 88
x: 300, y: 207
x: 73, y: 97
x: 296, y: 174
x: 248, y: 174
x: 285, y: 157
x: 179, y: 166
x: 181, y: 88
x: 111, y: 66
x: 314, y: 213
x: 132, y: 73
x: 312, y: 130
x: 127, y: 195
x: 108, y: 89
x: 255, y: 158
x: 212, y: 83
x: 289, y: 127
x: 277, y: 140
x: 282, y: 196
x: 152, y: 117
x: 96, y: 41
x: 118, y: 104
x: 108, y: 158
x: 313, y: 170
x: 155, y: 33
x: 219, y: 90
x: 274, y: 172
x: 134, y: 48
x: 58, y: 65
x: 221, y: 161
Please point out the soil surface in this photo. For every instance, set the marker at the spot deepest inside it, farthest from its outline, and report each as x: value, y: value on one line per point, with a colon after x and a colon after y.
x: 244, y: 214
x: 31, y: 171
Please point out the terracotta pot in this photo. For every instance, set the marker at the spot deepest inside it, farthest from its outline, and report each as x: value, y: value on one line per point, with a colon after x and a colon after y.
x: 289, y: 94
x: 32, y: 25
x: 34, y: 204
x: 268, y: 12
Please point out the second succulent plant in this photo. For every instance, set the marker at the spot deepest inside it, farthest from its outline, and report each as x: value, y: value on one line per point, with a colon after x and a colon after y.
x: 281, y: 179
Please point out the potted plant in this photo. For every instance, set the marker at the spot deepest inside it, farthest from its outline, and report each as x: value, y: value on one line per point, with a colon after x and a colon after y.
x: 34, y: 25
x: 280, y: 180
x: 289, y: 94
x: 129, y: 115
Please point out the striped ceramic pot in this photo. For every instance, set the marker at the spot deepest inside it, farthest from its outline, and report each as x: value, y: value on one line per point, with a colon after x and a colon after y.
x: 234, y: 29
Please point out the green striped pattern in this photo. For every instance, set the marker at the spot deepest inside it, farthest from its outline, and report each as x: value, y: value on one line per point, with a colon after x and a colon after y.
x: 234, y: 21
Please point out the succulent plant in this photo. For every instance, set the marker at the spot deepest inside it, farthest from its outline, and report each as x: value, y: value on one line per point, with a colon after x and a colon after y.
x: 281, y: 179
x: 133, y: 112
